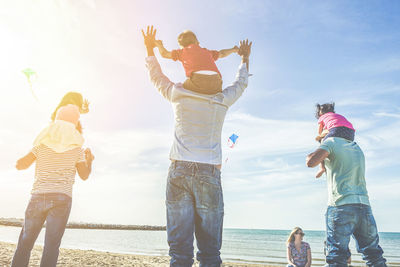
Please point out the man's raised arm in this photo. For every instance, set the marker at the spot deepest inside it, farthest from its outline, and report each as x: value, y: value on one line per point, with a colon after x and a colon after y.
x: 159, y: 80
x: 234, y: 91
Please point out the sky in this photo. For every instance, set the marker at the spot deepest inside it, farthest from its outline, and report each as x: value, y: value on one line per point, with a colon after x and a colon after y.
x: 304, y: 52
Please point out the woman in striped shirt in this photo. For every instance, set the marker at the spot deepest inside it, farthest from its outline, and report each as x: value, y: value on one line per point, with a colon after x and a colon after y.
x: 58, y: 154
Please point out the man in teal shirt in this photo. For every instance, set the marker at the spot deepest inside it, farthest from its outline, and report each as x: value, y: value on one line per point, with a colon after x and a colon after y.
x: 349, y: 212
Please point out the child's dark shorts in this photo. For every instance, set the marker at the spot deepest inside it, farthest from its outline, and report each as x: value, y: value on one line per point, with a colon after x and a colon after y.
x: 342, y: 132
x: 204, y: 84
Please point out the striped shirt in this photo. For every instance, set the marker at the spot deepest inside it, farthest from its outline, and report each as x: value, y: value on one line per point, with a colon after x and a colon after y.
x: 55, y: 172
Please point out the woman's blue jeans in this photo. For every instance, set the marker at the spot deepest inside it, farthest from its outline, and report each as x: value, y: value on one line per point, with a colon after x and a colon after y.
x: 194, y: 206
x: 352, y: 220
x: 54, y: 208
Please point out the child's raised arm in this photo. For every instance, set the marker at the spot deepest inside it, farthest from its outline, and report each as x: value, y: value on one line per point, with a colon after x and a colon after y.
x: 164, y: 52
x: 321, y: 128
x: 227, y: 52
x: 321, y: 132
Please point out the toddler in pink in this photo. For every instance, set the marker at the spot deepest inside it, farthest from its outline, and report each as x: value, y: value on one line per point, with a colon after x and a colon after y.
x: 332, y: 124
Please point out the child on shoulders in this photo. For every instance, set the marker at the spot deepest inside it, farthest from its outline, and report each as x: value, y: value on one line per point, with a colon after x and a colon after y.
x: 201, y: 71
x: 331, y: 124
x: 65, y: 130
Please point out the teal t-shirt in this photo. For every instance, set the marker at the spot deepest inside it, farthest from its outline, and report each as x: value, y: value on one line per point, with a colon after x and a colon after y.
x: 345, y: 169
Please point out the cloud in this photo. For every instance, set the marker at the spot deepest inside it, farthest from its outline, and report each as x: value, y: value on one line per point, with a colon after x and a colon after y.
x: 258, y: 136
x: 385, y: 114
x: 265, y: 171
x: 365, y: 94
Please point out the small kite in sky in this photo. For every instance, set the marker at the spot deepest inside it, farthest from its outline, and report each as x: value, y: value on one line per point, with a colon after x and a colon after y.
x: 30, y: 73
x: 232, y: 140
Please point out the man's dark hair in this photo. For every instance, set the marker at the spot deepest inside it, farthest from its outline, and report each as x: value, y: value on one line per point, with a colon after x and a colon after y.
x: 324, y: 108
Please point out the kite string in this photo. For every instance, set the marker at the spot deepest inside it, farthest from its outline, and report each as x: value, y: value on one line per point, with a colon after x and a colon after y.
x: 31, y: 87
x: 232, y: 140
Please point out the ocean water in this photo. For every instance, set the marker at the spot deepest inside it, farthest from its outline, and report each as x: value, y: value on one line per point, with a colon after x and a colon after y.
x: 243, y: 245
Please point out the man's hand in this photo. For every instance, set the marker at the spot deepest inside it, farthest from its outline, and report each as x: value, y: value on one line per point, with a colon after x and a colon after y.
x: 316, y: 157
x: 244, y: 51
x: 88, y: 155
x: 245, y: 48
x: 84, y: 168
x: 24, y: 162
x: 150, y: 39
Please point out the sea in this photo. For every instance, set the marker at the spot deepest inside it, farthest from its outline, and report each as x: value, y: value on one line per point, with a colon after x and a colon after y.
x: 239, y: 245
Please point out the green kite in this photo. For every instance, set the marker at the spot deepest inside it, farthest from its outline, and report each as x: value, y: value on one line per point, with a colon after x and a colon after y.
x: 30, y: 73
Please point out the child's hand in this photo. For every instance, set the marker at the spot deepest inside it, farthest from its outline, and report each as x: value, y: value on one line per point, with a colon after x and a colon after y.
x: 235, y: 49
x: 85, y: 107
x: 318, y: 138
x: 159, y: 43
x: 322, y: 135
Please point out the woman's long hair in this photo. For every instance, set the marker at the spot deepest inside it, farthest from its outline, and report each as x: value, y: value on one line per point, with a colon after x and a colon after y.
x: 291, y: 236
x: 73, y: 98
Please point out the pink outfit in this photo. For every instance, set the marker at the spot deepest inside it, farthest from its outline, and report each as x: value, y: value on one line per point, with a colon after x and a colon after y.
x: 332, y: 120
x: 68, y: 113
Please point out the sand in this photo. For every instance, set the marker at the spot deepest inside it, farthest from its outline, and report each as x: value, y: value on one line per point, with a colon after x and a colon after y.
x: 76, y: 257
x: 82, y: 258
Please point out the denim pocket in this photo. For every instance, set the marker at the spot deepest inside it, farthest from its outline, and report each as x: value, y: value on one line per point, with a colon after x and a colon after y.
x: 61, y: 207
x: 334, y: 220
x: 341, y: 220
x: 175, y: 187
x: 210, y: 193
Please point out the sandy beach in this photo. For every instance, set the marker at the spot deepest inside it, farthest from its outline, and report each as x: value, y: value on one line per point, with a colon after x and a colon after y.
x: 76, y: 257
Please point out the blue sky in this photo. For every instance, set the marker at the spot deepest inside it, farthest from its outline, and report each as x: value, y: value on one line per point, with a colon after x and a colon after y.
x: 304, y: 53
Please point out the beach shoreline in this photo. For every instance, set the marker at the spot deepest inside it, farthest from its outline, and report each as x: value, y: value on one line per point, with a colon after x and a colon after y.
x: 78, y: 257
x: 81, y: 257
x: 83, y: 247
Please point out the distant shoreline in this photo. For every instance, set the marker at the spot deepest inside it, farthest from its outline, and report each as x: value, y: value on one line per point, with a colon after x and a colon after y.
x: 17, y: 222
x: 73, y: 225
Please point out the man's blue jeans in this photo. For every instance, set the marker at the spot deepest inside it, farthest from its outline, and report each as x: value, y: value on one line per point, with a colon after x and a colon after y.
x: 54, y: 208
x: 194, y: 205
x: 357, y: 220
